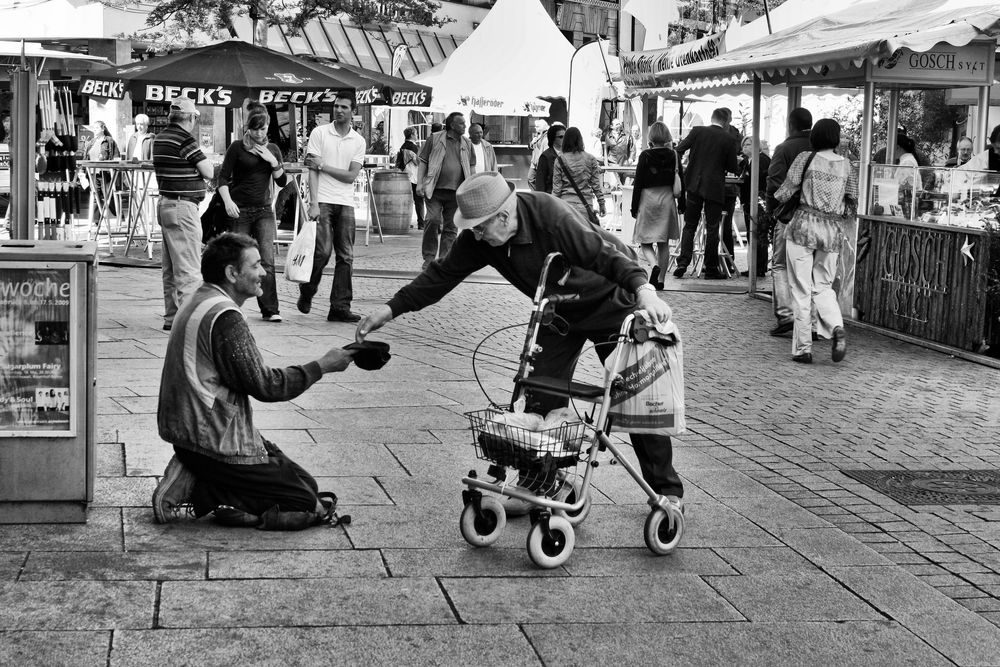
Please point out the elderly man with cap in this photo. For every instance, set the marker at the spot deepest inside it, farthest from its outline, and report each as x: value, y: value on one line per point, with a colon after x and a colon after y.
x: 514, y: 232
x: 181, y: 169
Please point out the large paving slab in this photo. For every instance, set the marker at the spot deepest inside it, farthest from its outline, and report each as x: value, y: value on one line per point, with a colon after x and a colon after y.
x: 341, y: 646
x: 54, y: 648
x: 76, y: 605
x: 303, y: 602
x: 792, y: 596
x: 633, y: 599
x: 860, y: 644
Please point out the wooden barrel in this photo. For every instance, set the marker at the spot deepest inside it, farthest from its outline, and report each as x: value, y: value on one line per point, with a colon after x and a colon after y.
x: 392, y: 199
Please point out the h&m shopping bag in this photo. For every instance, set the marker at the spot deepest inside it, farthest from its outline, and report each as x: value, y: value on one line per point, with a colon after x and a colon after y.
x: 299, y: 263
x: 649, y: 395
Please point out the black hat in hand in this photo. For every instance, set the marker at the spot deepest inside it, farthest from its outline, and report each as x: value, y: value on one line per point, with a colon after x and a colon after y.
x: 370, y: 355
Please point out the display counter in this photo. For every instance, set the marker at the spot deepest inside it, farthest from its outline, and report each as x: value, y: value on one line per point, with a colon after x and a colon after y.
x: 928, y: 255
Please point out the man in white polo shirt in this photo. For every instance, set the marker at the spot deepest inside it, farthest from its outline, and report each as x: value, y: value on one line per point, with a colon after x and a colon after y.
x: 334, y: 157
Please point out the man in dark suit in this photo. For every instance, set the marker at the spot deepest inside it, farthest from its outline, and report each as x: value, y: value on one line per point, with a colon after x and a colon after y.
x: 713, y: 153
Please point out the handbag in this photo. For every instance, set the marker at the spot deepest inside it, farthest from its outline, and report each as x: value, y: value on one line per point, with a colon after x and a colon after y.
x: 590, y: 209
x: 214, y: 220
x: 784, y: 211
x: 299, y: 262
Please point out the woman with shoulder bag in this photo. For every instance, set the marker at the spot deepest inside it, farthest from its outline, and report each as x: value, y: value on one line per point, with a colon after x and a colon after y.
x: 576, y: 178
x: 245, y: 189
x: 814, y: 237
x: 656, y: 185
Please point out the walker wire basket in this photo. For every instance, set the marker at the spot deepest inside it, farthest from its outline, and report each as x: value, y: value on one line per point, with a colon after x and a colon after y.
x: 524, y: 449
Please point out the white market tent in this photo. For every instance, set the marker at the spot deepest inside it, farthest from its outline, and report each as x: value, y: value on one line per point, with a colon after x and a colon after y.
x: 515, y: 56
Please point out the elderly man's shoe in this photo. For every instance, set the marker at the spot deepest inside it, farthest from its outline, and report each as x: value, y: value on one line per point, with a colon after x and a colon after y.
x: 804, y: 358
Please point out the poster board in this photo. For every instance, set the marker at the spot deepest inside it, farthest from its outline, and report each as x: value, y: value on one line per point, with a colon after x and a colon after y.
x: 39, y: 375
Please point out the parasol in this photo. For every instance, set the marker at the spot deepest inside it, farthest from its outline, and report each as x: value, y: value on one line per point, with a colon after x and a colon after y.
x: 226, y: 73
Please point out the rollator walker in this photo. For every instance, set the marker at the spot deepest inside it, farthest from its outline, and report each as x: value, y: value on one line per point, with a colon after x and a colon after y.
x: 551, y: 469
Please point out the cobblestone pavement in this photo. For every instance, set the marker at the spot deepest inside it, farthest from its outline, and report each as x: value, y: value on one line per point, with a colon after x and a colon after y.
x: 786, y: 560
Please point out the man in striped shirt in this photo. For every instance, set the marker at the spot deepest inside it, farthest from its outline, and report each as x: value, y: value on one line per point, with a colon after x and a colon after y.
x: 181, y: 169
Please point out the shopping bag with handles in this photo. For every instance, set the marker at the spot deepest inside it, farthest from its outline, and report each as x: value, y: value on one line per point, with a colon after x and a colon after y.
x: 299, y: 263
x: 648, y: 396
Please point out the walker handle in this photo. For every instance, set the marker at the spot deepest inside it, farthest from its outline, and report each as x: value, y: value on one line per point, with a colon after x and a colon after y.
x: 562, y: 298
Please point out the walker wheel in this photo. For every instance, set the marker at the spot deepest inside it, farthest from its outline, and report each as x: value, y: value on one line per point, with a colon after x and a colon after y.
x: 663, y: 530
x: 577, y: 517
x: 550, y: 541
x: 483, y: 527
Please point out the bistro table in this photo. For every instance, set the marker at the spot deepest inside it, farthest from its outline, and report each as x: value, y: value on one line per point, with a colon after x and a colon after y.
x: 131, y: 179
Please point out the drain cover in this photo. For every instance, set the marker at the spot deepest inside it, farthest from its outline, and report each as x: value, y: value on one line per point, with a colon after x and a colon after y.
x: 933, y: 487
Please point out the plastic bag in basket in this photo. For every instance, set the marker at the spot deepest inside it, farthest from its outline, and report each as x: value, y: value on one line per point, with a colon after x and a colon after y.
x: 571, y: 429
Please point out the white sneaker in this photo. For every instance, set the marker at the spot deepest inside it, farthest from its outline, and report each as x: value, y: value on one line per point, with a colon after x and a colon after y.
x: 272, y: 318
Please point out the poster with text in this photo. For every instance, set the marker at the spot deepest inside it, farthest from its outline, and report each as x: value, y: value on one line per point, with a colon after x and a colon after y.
x: 35, y: 360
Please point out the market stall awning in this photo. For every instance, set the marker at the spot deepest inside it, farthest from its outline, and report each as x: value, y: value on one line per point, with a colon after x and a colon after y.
x: 516, y: 56
x: 11, y: 52
x: 845, y: 40
x: 226, y: 73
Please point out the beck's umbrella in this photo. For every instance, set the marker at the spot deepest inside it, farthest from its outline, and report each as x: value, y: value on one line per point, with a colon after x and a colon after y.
x: 226, y: 73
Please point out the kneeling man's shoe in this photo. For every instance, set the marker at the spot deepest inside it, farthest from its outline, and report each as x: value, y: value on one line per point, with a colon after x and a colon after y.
x: 173, y: 492
x: 235, y: 518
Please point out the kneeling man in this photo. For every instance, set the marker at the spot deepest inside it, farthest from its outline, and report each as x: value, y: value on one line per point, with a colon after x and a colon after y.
x: 221, y: 463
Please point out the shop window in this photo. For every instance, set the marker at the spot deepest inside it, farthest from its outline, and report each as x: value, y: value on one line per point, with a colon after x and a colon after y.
x: 378, y: 42
x: 448, y: 44
x: 416, y: 51
x: 319, y: 40
x: 433, y: 48
x: 338, y: 33
x: 361, y: 48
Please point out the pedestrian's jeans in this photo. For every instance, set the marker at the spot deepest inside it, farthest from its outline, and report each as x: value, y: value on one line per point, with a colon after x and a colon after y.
x: 781, y: 300
x: 440, y: 220
x: 558, y: 359
x: 180, y: 225
x: 334, y: 236
x: 692, y: 215
x: 258, y: 222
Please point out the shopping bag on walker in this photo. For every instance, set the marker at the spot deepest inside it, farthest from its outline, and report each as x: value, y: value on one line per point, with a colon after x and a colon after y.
x: 648, y: 396
x: 299, y: 263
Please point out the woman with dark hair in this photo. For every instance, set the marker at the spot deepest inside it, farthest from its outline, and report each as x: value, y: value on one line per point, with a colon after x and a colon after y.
x: 249, y: 167
x: 576, y: 177
x: 653, y: 205
x: 814, y: 237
